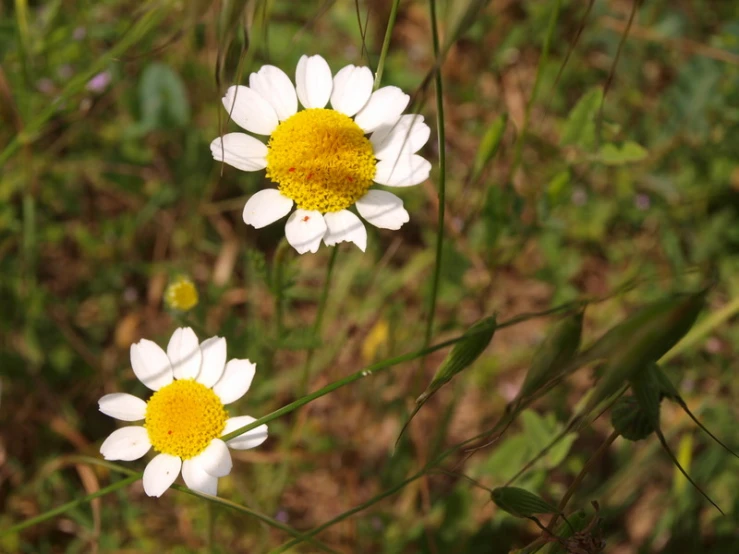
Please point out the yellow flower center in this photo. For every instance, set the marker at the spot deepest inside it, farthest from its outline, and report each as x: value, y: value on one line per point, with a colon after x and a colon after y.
x: 183, y: 417
x: 181, y: 295
x: 321, y: 159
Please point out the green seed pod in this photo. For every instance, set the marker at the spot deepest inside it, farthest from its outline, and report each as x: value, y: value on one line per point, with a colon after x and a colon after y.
x: 489, y: 145
x: 520, y: 502
x: 467, y: 350
x: 647, y: 393
x: 476, y: 340
x: 629, y: 420
x: 554, y: 354
x: 641, y: 340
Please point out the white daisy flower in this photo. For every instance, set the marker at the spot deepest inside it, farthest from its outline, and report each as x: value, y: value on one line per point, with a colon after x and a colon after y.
x: 185, y: 417
x: 324, y: 160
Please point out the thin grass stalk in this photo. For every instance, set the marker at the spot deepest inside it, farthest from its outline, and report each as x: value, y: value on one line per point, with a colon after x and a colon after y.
x: 386, y: 42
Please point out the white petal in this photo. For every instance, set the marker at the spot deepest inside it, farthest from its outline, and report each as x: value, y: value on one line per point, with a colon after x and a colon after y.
x: 241, y: 151
x: 405, y: 137
x: 214, y: 360
x: 265, y: 207
x: 313, y: 81
x: 197, y: 479
x: 236, y: 380
x: 215, y: 459
x: 384, y: 106
x: 126, y: 444
x: 250, y: 110
x: 184, y: 353
x: 160, y: 473
x: 304, y: 230
x: 352, y: 89
x: 250, y: 439
x: 382, y: 209
x: 151, y: 364
x: 275, y: 86
x: 344, y: 226
x: 406, y: 171
x: 125, y: 407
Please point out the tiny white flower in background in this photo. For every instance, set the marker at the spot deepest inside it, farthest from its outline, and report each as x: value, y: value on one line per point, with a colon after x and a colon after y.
x: 321, y: 159
x: 185, y: 417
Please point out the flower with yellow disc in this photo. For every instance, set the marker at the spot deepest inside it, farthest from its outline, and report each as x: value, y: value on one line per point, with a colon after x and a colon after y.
x: 323, y: 160
x: 185, y: 417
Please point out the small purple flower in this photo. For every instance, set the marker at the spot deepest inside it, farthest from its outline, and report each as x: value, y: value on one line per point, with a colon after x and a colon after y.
x: 642, y: 202
x: 46, y: 85
x: 79, y: 33
x: 99, y: 82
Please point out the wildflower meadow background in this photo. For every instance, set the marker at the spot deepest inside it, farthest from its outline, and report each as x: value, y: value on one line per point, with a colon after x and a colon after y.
x: 543, y: 339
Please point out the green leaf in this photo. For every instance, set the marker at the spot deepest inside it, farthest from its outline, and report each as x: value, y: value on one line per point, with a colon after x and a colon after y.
x: 163, y: 99
x: 629, y: 152
x: 489, y: 145
x: 579, y: 130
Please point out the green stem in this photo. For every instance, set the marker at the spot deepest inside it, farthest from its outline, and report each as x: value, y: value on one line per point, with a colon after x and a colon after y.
x: 319, y: 319
x: 441, y: 137
x: 386, y: 42
x: 277, y: 272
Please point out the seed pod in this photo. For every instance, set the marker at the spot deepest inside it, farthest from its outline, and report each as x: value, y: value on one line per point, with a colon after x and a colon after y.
x: 629, y: 420
x: 641, y: 340
x: 520, y: 502
x: 557, y: 350
x: 463, y: 353
x: 476, y: 340
x: 646, y: 392
x: 489, y: 145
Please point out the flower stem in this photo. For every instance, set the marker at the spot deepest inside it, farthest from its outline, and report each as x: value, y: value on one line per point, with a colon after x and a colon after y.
x: 317, y: 324
x: 386, y: 42
x: 277, y: 286
x: 441, y: 136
